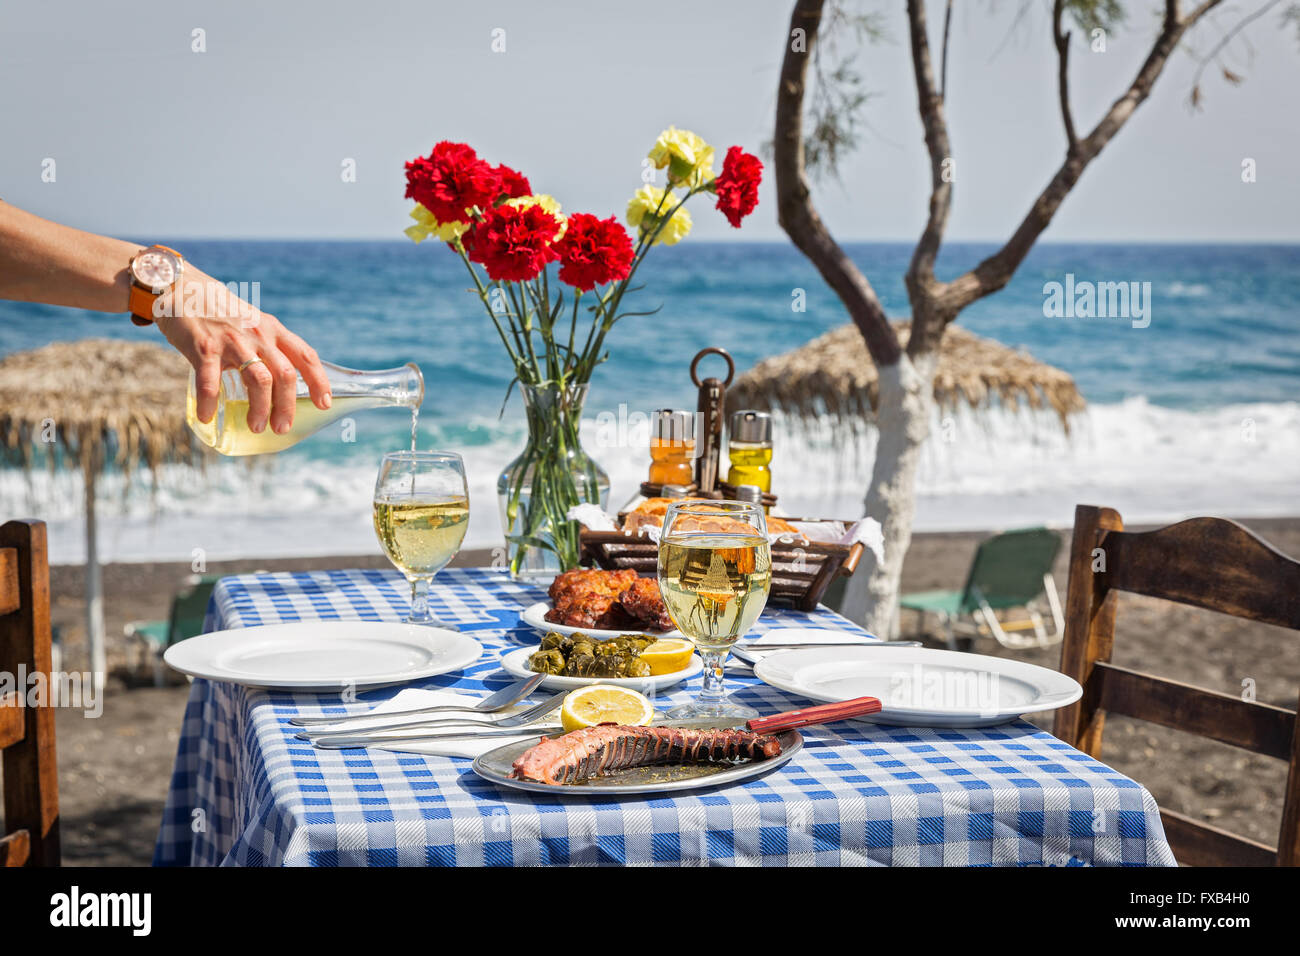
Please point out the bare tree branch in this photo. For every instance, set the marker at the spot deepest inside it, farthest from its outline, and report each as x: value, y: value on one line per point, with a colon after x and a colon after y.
x: 926, y: 326
x: 1062, y: 38
x: 943, y: 69
x: 1222, y: 45
x: 794, y: 202
x: 996, y: 271
x: 1196, y: 14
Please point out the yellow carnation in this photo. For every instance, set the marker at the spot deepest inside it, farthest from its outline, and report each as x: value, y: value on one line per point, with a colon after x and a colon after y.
x: 689, y: 158
x: 646, y: 209
x: 547, y: 203
x: 426, y: 225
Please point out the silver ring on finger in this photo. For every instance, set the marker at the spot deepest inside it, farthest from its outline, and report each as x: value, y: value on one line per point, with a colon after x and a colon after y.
x: 253, y: 361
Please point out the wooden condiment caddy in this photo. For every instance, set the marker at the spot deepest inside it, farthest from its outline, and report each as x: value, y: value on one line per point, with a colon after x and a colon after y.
x: 801, y: 570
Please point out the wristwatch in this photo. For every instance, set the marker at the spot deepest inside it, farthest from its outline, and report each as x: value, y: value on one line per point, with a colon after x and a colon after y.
x: 153, y: 271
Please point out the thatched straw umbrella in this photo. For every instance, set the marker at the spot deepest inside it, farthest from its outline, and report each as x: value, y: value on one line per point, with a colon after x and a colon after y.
x: 87, y: 404
x: 834, y: 375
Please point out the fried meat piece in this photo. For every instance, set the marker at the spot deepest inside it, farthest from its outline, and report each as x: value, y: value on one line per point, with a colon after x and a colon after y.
x: 643, y: 601
x: 588, y: 610
x: 590, y: 580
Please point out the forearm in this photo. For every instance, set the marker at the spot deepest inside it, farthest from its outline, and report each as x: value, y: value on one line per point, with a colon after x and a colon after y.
x: 42, y: 261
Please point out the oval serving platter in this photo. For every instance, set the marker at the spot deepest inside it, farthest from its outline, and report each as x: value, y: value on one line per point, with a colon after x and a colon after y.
x: 495, y: 765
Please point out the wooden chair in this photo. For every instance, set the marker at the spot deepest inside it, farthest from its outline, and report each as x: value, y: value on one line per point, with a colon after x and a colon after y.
x: 28, y: 773
x: 1208, y: 563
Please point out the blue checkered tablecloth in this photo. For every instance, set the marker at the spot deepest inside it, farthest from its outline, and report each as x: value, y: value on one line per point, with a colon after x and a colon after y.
x: 245, y: 792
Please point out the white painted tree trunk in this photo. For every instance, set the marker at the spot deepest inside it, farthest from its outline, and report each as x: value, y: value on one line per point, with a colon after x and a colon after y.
x: 903, y: 424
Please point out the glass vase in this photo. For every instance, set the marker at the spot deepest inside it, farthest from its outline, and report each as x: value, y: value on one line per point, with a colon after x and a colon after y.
x: 550, y: 476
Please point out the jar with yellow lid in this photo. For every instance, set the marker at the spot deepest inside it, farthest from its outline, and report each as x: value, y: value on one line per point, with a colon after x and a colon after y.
x: 749, y: 446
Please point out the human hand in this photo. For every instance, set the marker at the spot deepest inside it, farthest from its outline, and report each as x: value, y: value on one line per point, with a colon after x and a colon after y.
x: 216, y: 330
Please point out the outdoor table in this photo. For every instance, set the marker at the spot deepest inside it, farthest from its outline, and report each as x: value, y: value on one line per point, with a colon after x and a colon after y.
x: 246, y: 792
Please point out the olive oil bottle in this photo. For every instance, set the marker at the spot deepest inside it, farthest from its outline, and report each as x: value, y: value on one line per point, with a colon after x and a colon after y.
x: 749, y: 446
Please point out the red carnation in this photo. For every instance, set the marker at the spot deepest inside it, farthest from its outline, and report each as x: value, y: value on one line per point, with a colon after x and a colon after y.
x: 737, y: 184
x: 512, y: 243
x: 514, y: 184
x: 594, y: 251
x: 451, y: 180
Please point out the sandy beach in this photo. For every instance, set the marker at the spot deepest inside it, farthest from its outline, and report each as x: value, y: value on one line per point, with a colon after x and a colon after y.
x: 114, y: 770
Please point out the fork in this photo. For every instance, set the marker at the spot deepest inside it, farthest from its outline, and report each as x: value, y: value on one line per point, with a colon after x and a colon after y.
x: 375, y: 732
x: 488, y: 705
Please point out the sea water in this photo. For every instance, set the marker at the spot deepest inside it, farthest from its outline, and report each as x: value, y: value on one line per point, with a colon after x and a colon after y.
x: 1197, y: 412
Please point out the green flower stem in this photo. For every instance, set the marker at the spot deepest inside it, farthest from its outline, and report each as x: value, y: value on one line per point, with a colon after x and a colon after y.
x: 483, y: 296
x: 526, y: 322
x: 573, y: 328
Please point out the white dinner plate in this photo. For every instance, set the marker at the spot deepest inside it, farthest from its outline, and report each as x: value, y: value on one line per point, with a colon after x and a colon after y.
x: 920, y: 686
x: 535, y: 617
x: 324, y: 655
x: 516, y: 663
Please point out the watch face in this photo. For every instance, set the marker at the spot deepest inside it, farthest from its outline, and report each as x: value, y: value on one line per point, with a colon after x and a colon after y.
x: 155, y: 269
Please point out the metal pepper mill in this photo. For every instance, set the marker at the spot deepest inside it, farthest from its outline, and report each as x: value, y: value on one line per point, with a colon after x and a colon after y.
x: 712, y: 408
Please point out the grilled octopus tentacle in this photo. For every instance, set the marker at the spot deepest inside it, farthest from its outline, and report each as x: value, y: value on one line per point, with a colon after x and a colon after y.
x: 591, y: 751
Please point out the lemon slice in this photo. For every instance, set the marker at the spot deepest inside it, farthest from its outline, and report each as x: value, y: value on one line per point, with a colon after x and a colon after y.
x: 605, y: 704
x: 668, y: 655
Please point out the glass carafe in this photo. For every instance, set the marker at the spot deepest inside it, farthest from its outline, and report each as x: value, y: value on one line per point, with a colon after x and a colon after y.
x: 352, y: 390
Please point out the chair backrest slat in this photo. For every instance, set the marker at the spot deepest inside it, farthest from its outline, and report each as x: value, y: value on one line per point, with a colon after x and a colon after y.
x: 29, y: 768
x: 1251, y: 725
x: 1198, y: 844
x: 1209, y: 563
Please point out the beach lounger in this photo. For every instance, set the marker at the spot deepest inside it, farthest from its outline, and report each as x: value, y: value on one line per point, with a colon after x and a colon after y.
x: 1010, y: 570
x: 189, y: 607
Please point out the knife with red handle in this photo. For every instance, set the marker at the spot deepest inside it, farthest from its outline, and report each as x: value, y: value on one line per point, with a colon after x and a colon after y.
x: 822, y: 714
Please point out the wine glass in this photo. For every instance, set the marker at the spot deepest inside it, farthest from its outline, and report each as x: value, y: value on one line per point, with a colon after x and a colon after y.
x: 715, y: 570
x: 421, y: 515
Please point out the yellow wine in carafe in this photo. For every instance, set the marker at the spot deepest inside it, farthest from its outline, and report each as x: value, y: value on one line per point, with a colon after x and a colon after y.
x: 351, y: 390
x: 229, y: 434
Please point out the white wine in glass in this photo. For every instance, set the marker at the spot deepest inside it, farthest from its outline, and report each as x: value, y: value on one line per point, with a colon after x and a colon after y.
x: 715, y: 572
x: 421, y: 513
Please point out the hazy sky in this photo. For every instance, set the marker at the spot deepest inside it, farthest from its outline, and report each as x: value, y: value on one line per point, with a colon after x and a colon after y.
x: 151, y: 139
